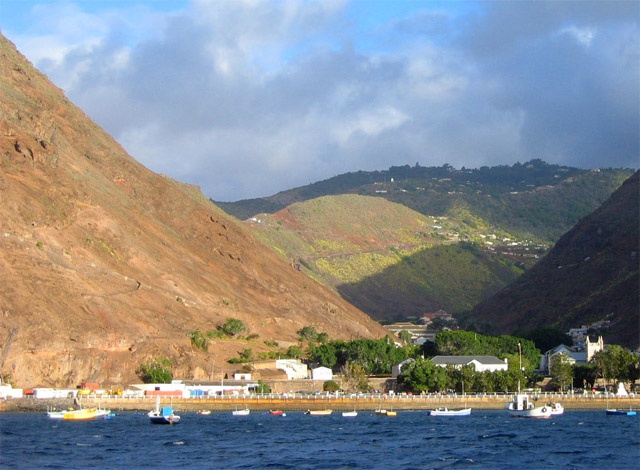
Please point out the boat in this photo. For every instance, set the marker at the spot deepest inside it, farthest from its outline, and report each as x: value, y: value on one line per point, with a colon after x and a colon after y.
x: 164, y: 415
x: 204, y: 412
x: 522, y: 407
x: 277, y: 412
x: 53, y: 414
x: 444, y: 411
x: 243, y: 412
x: 85, y: 414
x: 621, y: 412
x: 350, y: 414
x: 318, y: 412
x: 556, y: 408
x: 392, y: 413
x: 381, y: 412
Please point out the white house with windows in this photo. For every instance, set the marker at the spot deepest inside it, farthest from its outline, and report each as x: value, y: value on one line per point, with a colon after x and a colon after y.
x: 480, y: 363
x: 575, y: 355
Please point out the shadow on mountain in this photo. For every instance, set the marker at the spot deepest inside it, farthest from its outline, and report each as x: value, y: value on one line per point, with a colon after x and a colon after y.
x: 421, y: 283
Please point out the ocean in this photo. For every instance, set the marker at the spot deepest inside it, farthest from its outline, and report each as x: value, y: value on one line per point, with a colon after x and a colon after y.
x: 410, y: 440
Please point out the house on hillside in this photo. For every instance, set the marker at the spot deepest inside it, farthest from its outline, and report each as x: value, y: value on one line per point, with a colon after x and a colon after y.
x: 292, y: 367
x: 321, y: 373
x: 480, y: 363
x: 581, y: 354
x: 419, y: 334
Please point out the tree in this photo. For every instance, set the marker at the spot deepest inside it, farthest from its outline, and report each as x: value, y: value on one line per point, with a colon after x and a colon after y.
x: 157, y: 371
x: 616, y: 364
x: 295, y: 352
x: 405, y: 337
x: 584, y: 375
x: 423, y: 375
x: 233, y: 327
x: 354, y: 378
x: 199, y: 340
x: 307, y: 333
x: 561, y: 370
x: 330, y: 386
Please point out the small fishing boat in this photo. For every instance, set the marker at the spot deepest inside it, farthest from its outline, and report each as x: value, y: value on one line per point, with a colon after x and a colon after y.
x: 556, y: 408
x: 243, y: 412
x: 444, y: 411
x: 350, y: 414
x: 204, y: 412
x: 85, y: 414
x: 164, y: 415
x: 318, y: 412
x: 276, y: 412
x: 392, y: 413
x: 621, y: 412
x: 522, y: 407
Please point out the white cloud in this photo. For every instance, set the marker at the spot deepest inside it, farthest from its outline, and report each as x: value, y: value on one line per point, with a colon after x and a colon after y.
x: 247, y: 98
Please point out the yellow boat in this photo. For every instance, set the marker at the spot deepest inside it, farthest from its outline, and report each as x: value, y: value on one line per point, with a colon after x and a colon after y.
x: 86, y: 414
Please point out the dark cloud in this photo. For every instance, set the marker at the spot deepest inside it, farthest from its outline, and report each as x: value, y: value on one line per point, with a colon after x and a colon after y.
x: 247, y: 99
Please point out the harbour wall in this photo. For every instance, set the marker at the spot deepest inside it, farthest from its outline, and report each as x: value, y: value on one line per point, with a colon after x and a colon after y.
x: 269, y: 402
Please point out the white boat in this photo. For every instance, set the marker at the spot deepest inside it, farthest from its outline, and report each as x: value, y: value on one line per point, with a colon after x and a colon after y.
x: 318, y: 412
x: 556, y: 408
x: 522, y: 407
x: 238, y: 412
x: 444, y: 411
x: 350, y: 414
x: 164, y: 415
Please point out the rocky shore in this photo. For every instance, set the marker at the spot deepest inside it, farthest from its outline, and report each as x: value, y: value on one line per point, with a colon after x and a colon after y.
x: 266, y: 403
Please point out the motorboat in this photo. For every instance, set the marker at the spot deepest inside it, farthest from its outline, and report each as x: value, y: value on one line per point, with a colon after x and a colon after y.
x: 621, y: 412
x: 556, y: 408
x: 522, y: 407
x: 444, y: 411
x: 318, y: 412
x: 164, y: 415
x: 243, y: 412
x: 85, y: 414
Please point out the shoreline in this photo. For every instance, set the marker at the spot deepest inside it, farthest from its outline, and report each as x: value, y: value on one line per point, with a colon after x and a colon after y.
x: 267, y: 403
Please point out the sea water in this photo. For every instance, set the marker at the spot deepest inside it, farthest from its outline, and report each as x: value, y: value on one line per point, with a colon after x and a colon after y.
x: 410, y: 440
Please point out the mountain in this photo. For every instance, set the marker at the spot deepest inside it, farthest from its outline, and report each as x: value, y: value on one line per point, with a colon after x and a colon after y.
x: 532, y: 200
x: 590, y: 277
x: 410, y: 240
x: 105, y: 264
x: 389, y: 260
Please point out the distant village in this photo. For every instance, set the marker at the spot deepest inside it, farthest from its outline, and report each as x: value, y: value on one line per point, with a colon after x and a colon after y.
x: 292, y: 377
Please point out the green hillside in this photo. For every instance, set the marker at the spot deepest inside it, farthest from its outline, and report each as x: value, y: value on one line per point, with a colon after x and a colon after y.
x: 413, y: 239
x: 391, y: 261
x: 534, y: 200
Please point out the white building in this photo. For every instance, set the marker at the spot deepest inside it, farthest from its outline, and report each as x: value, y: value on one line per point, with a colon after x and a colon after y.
x: 480, y: 363
x: 321, y: 373
x: 580, y: 355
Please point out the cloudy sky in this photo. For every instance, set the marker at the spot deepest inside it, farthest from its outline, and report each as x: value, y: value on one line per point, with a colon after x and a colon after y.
x: 246, y: 98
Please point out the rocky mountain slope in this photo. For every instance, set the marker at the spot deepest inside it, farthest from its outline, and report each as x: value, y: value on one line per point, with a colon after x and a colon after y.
x: 590, y: 276
x: 104, y: 264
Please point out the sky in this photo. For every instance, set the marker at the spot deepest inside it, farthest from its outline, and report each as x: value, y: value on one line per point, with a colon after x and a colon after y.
x: 246, y: 98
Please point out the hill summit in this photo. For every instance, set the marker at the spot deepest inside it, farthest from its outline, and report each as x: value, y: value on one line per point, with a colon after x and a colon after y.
x: 105, y: 264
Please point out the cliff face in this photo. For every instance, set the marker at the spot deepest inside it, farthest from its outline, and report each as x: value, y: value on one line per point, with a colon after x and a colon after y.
x: 591, y: 274
x: 104, y: 264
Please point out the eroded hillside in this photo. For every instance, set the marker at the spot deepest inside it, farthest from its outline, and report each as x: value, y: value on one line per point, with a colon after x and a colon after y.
x: 104, y: 264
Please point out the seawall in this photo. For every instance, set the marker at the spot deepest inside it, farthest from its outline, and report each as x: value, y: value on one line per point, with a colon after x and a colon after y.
x: 265, y: 403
